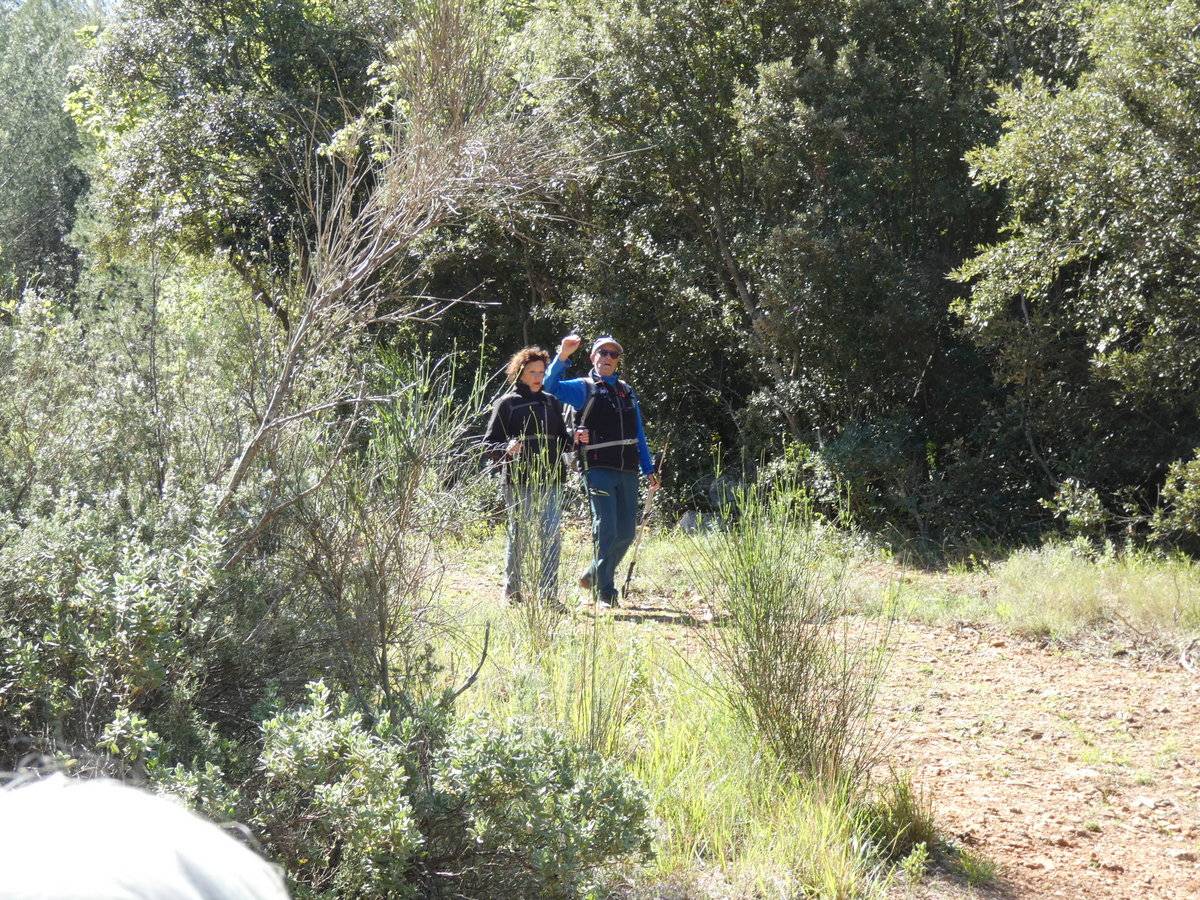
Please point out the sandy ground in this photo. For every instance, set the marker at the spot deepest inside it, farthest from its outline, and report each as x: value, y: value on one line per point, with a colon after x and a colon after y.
x: 1078, y: 775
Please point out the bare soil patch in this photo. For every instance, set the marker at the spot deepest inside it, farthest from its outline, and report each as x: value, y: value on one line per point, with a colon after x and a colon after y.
x: 1079, y: 776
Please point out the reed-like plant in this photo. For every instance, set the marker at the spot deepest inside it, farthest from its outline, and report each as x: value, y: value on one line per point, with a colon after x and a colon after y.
x: 533, y: 498
x: 790, y: 658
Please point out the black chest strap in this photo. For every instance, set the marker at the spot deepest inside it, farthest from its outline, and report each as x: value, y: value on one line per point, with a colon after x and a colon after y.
x: 622, y: 389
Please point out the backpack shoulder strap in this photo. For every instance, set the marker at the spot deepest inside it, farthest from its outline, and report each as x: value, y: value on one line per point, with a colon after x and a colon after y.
x: 591, y: 399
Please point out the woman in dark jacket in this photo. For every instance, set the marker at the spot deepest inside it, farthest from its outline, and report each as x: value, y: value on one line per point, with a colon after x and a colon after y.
x: 528, y: 437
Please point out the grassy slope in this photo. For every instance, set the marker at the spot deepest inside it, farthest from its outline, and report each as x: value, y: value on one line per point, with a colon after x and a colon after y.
x: 731, y: 823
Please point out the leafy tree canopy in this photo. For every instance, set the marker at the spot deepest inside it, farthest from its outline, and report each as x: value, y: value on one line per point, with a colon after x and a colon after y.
x: 1087, y: 307
x: 40, y: 178
x: 205, y: 117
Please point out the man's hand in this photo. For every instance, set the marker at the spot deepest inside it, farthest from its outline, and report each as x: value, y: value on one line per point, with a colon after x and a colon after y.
x: 568, y: 346
x: 514, y: 448
x: 582, y: 436
x: 653, y: 483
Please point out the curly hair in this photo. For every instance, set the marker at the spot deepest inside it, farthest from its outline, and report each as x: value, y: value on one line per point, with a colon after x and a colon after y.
x: 523, y: 357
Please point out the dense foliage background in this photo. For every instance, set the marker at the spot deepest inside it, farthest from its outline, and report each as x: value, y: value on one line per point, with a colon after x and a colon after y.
x: 939, y: 260
x: 940, y: 255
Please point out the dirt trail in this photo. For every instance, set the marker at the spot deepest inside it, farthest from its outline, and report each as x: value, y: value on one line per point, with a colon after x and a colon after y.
x: 1078, y: 776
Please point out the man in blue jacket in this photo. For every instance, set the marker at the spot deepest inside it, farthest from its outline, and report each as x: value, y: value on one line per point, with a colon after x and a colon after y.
x: 613, y: 448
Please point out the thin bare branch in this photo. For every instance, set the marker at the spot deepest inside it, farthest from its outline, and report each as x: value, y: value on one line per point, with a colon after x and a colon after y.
x: 450, y: 698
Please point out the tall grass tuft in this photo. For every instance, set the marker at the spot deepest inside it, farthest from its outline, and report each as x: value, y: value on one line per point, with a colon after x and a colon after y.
x: 606, y: 690
x: 789, y: 659
x: 533, y: 508
x: 901, y: 818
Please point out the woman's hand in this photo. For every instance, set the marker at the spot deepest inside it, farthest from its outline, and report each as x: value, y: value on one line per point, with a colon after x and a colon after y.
x: 653, y: 482
x: 582, y: 436
x: 514, y: 448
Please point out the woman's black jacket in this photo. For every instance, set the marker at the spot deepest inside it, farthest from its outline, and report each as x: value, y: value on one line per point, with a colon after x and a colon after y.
x: 536, y: 418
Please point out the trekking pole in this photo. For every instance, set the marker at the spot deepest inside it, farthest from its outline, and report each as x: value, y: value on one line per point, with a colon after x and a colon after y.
x: 646, y: 513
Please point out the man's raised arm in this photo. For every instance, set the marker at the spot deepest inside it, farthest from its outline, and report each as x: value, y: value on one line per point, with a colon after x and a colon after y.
x: 572, y: 391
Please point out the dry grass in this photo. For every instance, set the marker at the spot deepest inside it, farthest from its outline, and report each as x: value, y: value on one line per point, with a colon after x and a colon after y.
x: 1059, y: 592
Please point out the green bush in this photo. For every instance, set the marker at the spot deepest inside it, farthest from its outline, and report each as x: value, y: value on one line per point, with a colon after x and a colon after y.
x: 104, y: 623
x: 1080, y: 508
x: 1178, y: 516
x: 543, y: 815
x: 206, y: 789
x: 900, y: 820
x: 334, y: 806
x: 428, y: 804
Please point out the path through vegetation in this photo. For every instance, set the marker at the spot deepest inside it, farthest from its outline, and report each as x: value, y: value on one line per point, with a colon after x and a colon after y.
x: 1077, y: 775
x: 1076, y: 771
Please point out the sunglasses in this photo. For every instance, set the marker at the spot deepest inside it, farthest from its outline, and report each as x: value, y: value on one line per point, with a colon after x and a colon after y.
x: 611, y: 354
